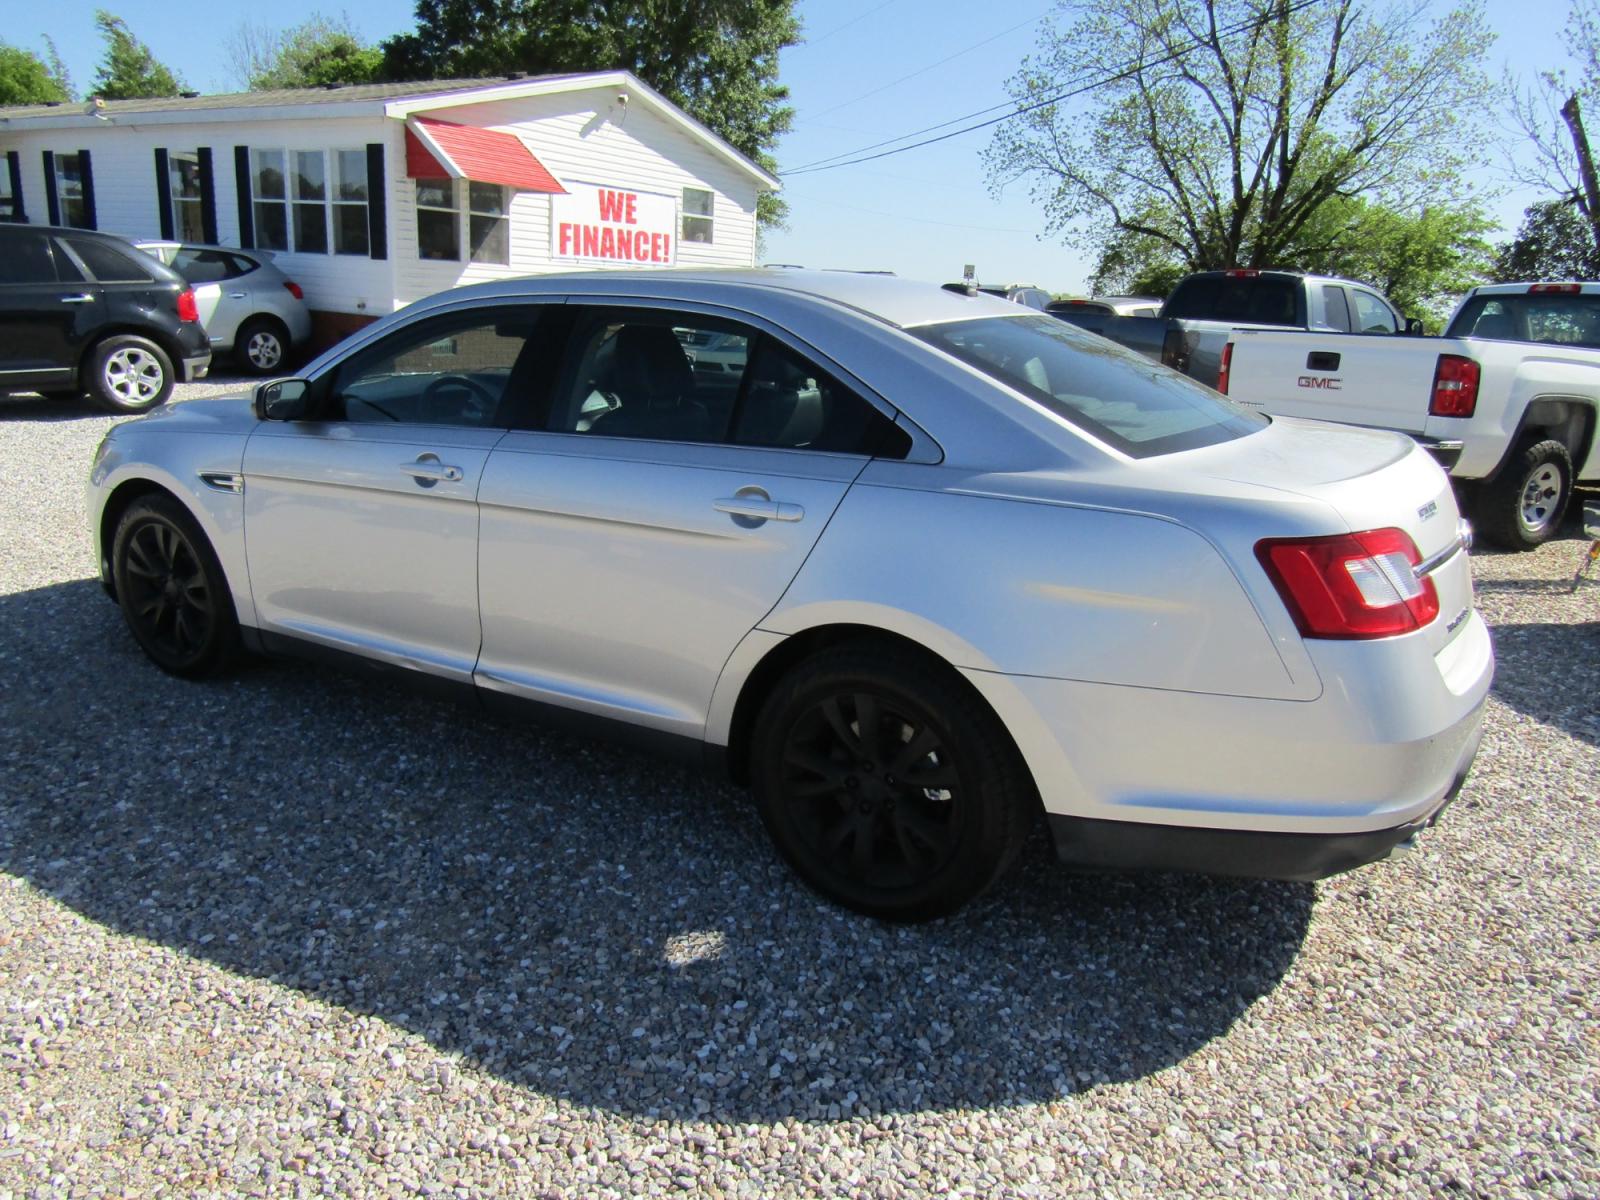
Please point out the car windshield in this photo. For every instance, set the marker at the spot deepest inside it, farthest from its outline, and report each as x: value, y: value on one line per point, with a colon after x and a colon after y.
x: 1553, y: 318
x: 1123, y: 398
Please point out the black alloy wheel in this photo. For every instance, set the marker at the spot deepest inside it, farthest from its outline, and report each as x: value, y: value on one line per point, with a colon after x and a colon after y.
x: 172, y: 590
x: 887, y: 783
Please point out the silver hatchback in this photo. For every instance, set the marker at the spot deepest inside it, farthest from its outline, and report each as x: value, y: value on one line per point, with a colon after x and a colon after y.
x: 917, y: 565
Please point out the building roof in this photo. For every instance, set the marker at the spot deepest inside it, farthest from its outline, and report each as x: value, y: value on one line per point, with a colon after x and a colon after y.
x: 442, y: 150
x: 397, y: 100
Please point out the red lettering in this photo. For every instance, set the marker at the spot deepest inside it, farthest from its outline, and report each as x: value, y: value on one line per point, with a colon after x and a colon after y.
x: 612, y: 205
x: 666, y: 247
x: 655, y: 247
x: 641, y: 245
x: 608, y: 243
x: 566, y: 237
x: 633, y: 209
x: 591, y: 241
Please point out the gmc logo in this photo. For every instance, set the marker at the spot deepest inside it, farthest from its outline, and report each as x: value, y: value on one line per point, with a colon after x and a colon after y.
x: 1319, y: 381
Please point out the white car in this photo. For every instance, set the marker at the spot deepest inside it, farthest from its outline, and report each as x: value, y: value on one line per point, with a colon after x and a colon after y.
x: 248, y: 306
x: 936, y: 563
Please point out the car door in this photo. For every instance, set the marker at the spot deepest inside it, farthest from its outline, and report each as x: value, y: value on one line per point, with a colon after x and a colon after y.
x: 47, y: 311
x: 685, y: 466
x: 361, y: 524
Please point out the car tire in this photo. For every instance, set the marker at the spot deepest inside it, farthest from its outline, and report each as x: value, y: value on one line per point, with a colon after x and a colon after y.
x: 261, y: 347
x: 128, y: 374
x: 1523, y: 507
x: 908, y: 822
x: 172, y: 589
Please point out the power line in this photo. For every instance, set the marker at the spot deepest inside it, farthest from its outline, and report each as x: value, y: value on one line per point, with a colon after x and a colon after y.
x: 1017, y: 110
x: 840, y: 28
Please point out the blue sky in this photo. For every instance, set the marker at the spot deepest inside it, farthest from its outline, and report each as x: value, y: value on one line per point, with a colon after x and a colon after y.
x: 869, y: 70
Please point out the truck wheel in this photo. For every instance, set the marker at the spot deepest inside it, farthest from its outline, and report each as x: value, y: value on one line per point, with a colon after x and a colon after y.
x: 1524, y: 505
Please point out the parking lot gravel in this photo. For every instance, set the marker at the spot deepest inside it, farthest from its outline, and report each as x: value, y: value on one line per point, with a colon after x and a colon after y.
x: 294, y: 933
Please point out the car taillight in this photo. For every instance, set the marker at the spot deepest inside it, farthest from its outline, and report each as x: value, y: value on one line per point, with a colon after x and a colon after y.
x: 1222, y: 371
x: 1351, y: 585
x: 294, y: 289
x: 1565, y: 289
x: 187, y: 309
x: 1455, y: 387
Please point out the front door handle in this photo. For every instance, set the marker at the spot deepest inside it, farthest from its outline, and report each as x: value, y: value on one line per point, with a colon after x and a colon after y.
x: 86, y: 298
x: 428, y: 470
x: 237, y: 295
x: 750, y: 506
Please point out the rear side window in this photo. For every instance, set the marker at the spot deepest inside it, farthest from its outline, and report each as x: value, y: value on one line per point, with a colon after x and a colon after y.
x: 210, y: 266
x: 108, y: 264
x: 1248, y: 299
x: 1551, y: 318
x: 1122, y: 398
x: 25, y: 258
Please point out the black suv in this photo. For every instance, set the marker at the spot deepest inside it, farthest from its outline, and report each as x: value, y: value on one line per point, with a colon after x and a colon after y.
x: 84, y: 311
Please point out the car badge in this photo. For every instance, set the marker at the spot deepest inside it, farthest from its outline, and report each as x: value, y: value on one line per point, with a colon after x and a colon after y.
x: 1428, y: 509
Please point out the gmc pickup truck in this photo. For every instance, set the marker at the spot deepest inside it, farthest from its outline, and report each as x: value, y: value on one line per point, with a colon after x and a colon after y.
x: 1506, y: 399
x: 1205, y: 308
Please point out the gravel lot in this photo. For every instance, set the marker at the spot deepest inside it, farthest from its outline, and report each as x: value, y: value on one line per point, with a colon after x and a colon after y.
x: 295, y: 934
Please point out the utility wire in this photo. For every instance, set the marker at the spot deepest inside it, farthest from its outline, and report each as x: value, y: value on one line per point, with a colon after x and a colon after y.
x: 1017, y: 110
x: 841, y: 28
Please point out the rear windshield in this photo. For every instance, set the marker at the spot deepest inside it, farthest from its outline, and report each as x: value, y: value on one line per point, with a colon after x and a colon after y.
x: 1248, y: 299
x: 1551, y: 317
x: 1123, y: 398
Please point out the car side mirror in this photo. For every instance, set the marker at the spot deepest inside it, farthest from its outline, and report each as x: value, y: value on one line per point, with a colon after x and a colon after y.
x: 283, y: 400
x: 1414, y: 327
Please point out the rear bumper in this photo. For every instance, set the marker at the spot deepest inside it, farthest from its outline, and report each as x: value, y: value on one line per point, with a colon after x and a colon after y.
x: 1130, y: 845
x: 1446, y: 451
x: 196, y: 367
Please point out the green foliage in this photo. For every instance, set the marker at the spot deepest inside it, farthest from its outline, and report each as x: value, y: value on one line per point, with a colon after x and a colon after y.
x: 25, y: 79
x: 318, y: 51
x: 1554, y: 243
x: 129, y: 71
x: 716, y: 59
x: 1238, y: 120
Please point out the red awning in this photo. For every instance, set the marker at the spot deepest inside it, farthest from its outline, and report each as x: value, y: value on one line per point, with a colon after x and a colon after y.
x: 468, y: 152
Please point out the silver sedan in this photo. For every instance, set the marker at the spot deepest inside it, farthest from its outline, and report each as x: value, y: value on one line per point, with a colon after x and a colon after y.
x: 916, y: 565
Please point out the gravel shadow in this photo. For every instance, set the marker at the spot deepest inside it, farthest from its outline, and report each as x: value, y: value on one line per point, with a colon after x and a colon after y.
x: 1551, y: 672
x: 575, y: 918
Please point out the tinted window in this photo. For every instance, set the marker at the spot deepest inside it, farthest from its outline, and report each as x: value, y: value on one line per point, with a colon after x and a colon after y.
x: 1123, y: 398
x: 463, y: 369
x: 1334, y: 309
x: 209, y: 266
x: 1248, y: 299
x: 1371, y: 314
x: 25, y: 258
x: 1553, y: 318
x: 689, y: 378
x: 108, y: 264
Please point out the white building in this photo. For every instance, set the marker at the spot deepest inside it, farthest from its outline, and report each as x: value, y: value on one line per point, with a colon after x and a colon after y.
x: 371, y: 196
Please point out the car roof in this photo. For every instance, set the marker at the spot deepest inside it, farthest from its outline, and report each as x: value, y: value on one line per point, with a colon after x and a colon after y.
x: 900, y: 302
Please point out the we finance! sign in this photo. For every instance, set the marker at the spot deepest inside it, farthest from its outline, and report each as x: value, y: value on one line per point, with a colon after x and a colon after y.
x: 597, y: 224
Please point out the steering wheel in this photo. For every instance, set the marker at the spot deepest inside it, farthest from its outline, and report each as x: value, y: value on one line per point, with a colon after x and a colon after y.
x: 481, y: 401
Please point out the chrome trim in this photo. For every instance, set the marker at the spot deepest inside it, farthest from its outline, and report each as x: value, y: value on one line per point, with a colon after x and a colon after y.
x: 1463, y: 541
x: 223, y: 481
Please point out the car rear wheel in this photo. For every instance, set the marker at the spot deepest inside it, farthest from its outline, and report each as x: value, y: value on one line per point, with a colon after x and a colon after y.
x: 171, y: 588
x: 129, y: 374
x: 1524, y: 505
x: 887, y: 784
x: 261, y: 347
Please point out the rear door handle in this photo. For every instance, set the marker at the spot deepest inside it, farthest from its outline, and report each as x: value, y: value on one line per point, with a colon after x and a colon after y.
x: 428, y: 470
x: 86, y: 298
x: 237, y: 295
x: 758, y: 508
x: 1322, y: 360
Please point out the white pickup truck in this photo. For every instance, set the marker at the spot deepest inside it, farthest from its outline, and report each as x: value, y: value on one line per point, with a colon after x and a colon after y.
x: 1506, y: 400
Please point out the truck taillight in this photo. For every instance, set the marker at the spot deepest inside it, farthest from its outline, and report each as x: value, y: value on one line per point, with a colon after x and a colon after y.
x: 1455, y: 387
x: 187, y: 309
x: 1351, y: 585
x: 294, y: 289
x: 1222, y: 371
x: 1564, y: 289
x: 1242, y: 273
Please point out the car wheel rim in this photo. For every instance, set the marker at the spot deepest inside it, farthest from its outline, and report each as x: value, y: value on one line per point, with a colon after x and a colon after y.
x: 1540, y: 496
x: 872, y: 790
x: 167, y: 592
x: 264, y: 350
x: 133, y: 375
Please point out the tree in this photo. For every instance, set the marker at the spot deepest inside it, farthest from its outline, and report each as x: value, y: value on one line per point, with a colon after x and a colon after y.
x: 129, y: 71
x: 1550, y: 114
x: 1554, y: 242
x: 716, y: 59
x: 26, y: 79
x: 1218, y: 128
x: 318, y: 51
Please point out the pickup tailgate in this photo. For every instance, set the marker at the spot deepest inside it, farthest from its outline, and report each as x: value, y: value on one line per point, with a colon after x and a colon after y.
x: 1385, y: 382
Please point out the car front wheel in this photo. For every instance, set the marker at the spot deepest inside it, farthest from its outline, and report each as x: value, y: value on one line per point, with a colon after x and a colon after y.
x: 887, y: 784
x: 171, y: 589
x: 129, y: 374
